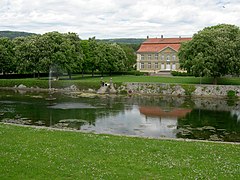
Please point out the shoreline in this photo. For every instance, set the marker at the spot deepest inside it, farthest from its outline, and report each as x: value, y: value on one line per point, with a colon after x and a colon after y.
x: 127, y: 91
x: 119, y: 135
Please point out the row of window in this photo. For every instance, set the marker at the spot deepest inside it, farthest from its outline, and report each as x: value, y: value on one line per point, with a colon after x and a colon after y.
x: 149, y: 66
x: 156, y: 57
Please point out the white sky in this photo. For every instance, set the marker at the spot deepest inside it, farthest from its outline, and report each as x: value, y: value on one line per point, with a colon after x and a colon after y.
x: 117, y: 18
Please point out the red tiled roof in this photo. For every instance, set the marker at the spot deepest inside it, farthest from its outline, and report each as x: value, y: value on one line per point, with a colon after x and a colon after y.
x: 158, y: 44
x: 157, y: 47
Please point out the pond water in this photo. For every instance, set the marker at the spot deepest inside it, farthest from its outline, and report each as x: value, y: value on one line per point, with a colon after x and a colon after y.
x: 148, y: 116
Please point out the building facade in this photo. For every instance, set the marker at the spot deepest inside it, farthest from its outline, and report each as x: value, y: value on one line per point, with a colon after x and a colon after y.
x: 159, y: 54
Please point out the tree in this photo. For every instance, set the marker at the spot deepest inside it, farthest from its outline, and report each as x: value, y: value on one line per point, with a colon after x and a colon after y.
x: 93, y: 55
x: 75, y: 55
x: 130, y: 54
x: 85, y: 58
x: 27, y: 54
x: 6, y: 56
x: 61, y: 52
x: 212, y: 52
x: 116, y: 58
x: 103, y: 56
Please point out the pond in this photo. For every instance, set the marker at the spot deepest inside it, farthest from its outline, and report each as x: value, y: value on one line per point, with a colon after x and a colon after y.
x: 145, y: 116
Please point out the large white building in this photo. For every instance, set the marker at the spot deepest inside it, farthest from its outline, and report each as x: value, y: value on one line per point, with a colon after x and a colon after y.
x: 159, y: 54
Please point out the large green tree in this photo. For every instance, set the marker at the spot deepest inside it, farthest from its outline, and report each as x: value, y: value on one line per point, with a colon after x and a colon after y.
x: 75, y: 55
x: 60, y: 52
x: 86, y: 54
x: 131, y: 56
x: 212, y: 52
x: 27, y: 54
x: 102, y: 56
x: 93, y: 55
x: 115, y: 58
x: 7, y: 63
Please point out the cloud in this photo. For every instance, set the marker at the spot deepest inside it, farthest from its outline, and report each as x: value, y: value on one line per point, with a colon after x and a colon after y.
x: 115, y: 18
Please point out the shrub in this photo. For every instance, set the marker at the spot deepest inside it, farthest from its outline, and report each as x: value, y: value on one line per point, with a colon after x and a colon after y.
x: 178, y: 73
x: 189, y: 89
x: 231, y: 94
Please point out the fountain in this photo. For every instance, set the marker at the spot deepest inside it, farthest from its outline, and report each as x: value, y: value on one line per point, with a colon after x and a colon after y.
x: 50, y: 79
x: 50, y: 98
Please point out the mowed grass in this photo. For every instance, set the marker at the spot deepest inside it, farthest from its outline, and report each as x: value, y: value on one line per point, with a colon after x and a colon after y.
x: 94, y: 82
x: 31, y: 153
x: 161, y: 79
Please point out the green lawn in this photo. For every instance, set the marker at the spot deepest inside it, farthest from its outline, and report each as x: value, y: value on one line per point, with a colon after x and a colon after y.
x: 94, y: 82
x: 30, y: 153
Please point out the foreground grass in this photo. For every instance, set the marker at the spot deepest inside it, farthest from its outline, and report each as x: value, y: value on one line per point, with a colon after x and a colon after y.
x: 29, y: 153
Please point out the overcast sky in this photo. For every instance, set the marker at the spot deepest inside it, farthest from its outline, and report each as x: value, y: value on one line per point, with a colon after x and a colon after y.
x: 117, y: 18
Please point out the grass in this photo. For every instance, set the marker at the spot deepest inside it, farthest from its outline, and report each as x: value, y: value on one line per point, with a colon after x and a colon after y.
x: 30, y: 153
x: 94, y: 82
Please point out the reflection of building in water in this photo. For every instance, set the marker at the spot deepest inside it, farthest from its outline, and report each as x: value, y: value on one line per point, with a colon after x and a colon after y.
x: 168, y: 119
x: 236, y: 113
x: 159, y: 112
x: 139, y: 121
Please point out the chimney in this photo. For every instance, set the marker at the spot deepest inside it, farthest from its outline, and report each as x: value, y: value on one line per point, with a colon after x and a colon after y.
x: 162, y: 36
x: 147, y: 37
x: 180, y: 37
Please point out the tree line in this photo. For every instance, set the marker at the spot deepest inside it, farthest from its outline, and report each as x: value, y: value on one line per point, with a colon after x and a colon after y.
x: 14, y: 34
x: 63, y: 52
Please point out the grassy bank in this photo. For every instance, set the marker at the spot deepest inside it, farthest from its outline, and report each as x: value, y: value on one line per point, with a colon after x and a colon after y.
x: 94, y: 82
x: 28, y: 153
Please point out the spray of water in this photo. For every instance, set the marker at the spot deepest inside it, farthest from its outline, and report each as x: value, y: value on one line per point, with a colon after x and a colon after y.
x: 50, y: 79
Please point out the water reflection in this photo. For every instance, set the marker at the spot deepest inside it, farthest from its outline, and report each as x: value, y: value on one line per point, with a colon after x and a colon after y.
x: 69, y: 105
x: 161, y: 113
x: 211, y: 119
x: 132, y: 122
x: 236, y: 113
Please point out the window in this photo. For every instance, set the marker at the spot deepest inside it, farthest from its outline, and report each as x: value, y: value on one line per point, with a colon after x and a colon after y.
x: 173, y: 57
x: 156, y: 65
x: 168, y: 57
x: 168, y: 65
x: 162, y: 66
x: 149, y: 56
x: 142, y: 66
x: 173, y: 66
x: 142, y: 56
x: 156, y: 56
x: 162, y: 58
x: 149, y: 65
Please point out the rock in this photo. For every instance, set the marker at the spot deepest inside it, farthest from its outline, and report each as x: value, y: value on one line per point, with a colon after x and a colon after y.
x: 61, y: 125
x: 171, y: 126
x: 71, y: 88
x: 40, y: 123
x: 215, y: 138
x: 21, y: 86
x: 209, y: 128
x: 91, y: 90
x: 112, y: 90
x: 72, y: 120
x: 89, y: 95
x: 27, y: 122
x: 37, y: 97
x: 185, y: 132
